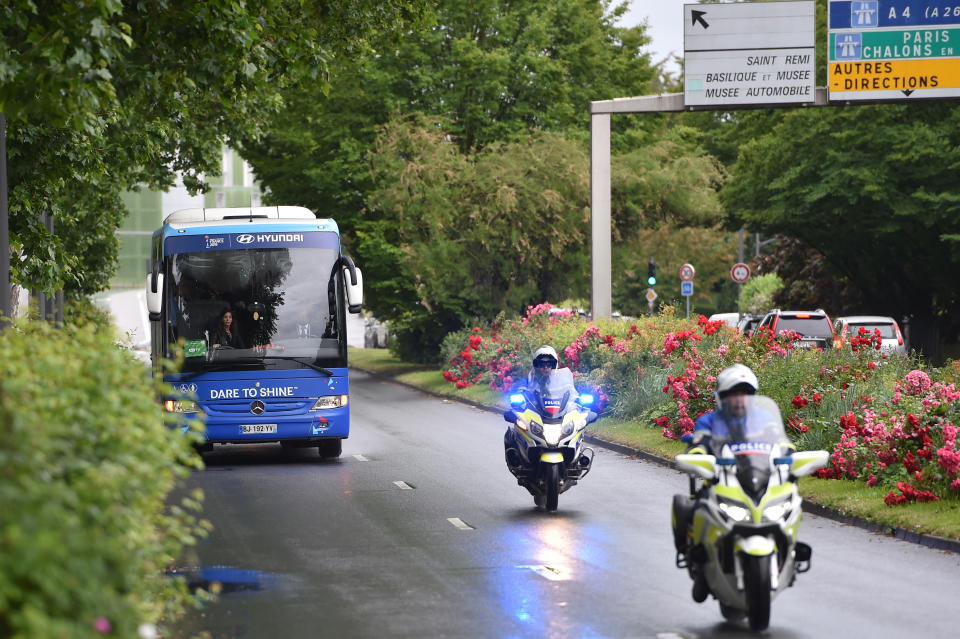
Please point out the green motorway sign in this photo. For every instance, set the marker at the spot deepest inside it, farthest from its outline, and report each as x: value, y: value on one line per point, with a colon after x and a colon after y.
x: 906, y: 43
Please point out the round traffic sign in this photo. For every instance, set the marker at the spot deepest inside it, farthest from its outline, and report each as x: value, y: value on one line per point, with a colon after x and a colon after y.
x: 740, y: 273
x: 686, y: 272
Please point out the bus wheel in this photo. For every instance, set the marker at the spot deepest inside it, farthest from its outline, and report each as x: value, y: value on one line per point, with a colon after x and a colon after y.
x: 330, y: 448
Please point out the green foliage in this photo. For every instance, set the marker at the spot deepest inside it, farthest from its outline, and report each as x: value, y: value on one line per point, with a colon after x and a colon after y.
x: 106, y: 95
x: 86, y: 466
x: 758, y: 293
x: 510, y: 219
x: 711, y: 251
x: 832, y: 177
x: 456, y: 161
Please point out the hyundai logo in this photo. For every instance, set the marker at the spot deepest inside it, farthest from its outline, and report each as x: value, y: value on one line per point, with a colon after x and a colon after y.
x: 257, y: 407
x: 244, y: 238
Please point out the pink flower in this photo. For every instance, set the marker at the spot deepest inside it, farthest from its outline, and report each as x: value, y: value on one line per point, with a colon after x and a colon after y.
x: 102, y: 625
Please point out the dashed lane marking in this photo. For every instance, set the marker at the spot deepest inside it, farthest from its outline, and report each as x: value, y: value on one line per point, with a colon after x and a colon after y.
x: 459, y: 523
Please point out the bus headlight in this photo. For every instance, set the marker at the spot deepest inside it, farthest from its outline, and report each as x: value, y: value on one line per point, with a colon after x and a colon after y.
x: 185, y: 406
x: 330, y: 401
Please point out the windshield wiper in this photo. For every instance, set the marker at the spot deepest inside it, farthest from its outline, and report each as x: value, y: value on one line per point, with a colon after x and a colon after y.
x: 325, y: 371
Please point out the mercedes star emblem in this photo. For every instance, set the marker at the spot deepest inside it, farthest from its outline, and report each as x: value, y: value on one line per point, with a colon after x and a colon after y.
x: 257, y: 407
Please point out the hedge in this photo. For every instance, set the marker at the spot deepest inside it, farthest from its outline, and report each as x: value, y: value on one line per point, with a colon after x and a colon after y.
x: 86, y: 468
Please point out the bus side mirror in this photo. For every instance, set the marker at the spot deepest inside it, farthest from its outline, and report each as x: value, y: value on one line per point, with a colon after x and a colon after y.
x: 154, y: 295
x: 354, y: 283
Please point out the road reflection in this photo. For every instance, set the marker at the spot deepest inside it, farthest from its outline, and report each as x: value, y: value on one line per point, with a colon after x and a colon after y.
x: 539, y: 592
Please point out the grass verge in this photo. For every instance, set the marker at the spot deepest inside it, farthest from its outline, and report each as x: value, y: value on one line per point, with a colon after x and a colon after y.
x: 848, y: 498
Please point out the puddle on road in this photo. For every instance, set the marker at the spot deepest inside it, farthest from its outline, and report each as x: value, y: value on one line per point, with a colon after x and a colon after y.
x: 224, y: 579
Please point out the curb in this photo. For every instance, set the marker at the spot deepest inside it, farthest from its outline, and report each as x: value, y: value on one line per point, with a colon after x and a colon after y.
x: 902, y: 534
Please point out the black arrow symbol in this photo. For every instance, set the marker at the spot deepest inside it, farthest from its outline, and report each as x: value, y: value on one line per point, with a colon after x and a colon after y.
x: 697, y: 16
x: 907, y: 92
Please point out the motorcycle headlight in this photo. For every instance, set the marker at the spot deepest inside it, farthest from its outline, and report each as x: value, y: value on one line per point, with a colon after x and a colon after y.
x: 186, y: 406
x: 551, y: 433
x: 567, y: 428
x: 734, y: 512
x: 330, y: 401
x: 776, y: 511
x: 536, y: 428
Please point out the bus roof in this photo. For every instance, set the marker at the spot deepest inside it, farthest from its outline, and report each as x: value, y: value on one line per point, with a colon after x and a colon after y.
x: 244, y: 212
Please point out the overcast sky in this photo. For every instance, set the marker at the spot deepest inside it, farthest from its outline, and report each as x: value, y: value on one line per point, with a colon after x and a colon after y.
x: 665, y: 20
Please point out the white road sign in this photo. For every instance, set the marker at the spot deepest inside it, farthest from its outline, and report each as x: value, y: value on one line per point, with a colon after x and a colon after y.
x: 740, y: 273
x: 749, y: 53
x: 651, y: 295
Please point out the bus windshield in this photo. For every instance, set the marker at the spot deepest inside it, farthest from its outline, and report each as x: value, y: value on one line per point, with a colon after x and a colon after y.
x: 272, y: 306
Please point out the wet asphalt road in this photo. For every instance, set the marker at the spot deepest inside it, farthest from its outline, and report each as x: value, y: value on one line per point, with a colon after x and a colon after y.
x: 340, y: 549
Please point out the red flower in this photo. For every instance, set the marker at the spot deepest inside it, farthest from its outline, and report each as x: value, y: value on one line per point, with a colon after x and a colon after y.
x: 894, y: 500
x: 817, y: 397
x: 871, y: 365
x: 799, y: 401
x: 910, y: 462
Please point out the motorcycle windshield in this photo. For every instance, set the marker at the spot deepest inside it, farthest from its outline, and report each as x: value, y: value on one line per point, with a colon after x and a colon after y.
x: 556, y: 392
x: 751, y: 426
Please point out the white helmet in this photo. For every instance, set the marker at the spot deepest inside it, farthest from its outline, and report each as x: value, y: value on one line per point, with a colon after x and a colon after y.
x: 546, y: 353
x: 736, y: 375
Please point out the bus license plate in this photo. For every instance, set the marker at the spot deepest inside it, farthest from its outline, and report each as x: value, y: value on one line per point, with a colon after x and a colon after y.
x: 257, y: 429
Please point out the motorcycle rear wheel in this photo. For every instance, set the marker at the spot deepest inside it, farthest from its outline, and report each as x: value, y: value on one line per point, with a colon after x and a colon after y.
x: 553, y: 487
x: 756, y: 577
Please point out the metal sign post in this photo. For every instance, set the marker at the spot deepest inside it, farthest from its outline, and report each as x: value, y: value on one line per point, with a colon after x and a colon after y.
x: 6, y: 306
x: 686, y: 283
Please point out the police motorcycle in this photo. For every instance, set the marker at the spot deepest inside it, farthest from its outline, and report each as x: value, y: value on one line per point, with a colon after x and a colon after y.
x: 548, y: 420
x: 738, y: 538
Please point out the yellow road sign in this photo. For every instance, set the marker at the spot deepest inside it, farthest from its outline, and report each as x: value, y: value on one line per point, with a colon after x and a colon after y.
x: 899, y: 76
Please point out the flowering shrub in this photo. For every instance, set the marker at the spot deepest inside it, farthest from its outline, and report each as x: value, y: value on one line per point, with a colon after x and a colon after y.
x: 884, y: 423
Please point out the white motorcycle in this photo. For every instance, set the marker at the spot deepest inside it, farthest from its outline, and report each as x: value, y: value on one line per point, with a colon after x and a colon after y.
x: 544, y: 445
x: 739, y: 536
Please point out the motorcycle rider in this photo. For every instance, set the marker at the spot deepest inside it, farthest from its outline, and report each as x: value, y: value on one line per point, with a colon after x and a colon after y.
x: 734, y: 386
x: 545, y: 361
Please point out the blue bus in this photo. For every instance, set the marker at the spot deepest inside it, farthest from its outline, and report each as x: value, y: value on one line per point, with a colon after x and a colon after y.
x: 258, y: 299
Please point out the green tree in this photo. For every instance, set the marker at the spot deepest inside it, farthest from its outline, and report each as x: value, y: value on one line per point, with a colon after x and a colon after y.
x: 758, y: 293
x: 493, y: 69
x: 488, y: 75
x: 872, y: 188
x: 458, y: 235
x: 106, y: 95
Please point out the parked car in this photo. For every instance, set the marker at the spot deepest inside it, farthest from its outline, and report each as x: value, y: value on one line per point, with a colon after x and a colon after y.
x: 847, y: 327
x: 748, y: 324
x: 814, y: 327
x: 730, y: 319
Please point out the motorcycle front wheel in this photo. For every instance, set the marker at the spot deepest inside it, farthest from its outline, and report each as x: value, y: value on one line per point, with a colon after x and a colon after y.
x: 730, y: 613
x: 756, y: 581
x: 552, y: 480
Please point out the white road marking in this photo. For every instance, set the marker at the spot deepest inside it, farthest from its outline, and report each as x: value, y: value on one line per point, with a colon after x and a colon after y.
x: 459, y: 523
x: 360, y: 458
x: 402, y: 485
x: 548, y: 572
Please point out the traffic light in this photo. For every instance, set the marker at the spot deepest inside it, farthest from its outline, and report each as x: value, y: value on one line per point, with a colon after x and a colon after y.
x: 652, y: 272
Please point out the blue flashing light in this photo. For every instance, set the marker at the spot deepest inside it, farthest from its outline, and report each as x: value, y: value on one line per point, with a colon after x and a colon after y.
x: 586, y: 399
x: 516, y: 399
